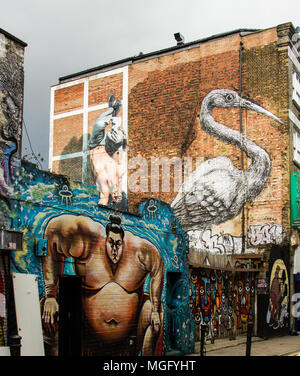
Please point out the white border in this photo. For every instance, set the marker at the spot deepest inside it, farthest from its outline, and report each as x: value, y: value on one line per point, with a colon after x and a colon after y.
x: 294, y: 119
x: 50, y: 155
x: 293, y: 55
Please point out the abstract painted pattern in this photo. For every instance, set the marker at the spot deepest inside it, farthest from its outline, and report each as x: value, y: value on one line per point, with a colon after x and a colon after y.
x: 222, y: 301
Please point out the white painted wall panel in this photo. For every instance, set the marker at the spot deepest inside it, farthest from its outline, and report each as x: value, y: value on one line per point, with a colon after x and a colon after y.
x: 4, y: 351
x: 28, y: 314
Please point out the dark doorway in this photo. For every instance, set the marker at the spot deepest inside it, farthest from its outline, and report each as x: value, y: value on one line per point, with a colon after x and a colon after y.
x: 174, y: 287
x: 273, y: 306
x: 69, y: 334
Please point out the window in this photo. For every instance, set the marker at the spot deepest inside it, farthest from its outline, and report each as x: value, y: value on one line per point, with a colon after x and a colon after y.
x: 296, y: 139
x: 296, y: 89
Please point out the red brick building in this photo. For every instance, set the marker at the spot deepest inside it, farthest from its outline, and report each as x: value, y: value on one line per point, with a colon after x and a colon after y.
x: 184, y: 104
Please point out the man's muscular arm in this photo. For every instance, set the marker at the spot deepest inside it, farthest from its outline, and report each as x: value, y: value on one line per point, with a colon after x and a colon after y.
x: 68, y: 236
x: 153, y: 262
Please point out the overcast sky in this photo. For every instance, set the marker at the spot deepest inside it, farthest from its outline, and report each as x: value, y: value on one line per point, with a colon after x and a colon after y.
x: 67, y: 36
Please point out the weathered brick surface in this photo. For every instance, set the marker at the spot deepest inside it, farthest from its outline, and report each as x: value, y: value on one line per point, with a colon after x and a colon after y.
x: 67, y: 133
x: 70, y: 167
x: 101, y: 88
x: 163, y: 109
x: 265, y: 81
x: 68, y: 99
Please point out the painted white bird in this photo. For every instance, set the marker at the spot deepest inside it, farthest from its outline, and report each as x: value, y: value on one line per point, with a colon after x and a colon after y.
x: 216, y: 191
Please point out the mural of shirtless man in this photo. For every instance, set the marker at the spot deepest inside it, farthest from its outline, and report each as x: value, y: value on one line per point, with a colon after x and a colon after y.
x: 113, y: 264
x: 108, y: 153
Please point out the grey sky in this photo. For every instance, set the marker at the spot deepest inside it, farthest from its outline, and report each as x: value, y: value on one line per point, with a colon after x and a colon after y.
x: 67, y: 36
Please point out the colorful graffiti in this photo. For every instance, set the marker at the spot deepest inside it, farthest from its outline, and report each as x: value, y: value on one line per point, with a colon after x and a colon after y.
x: 277, y: 313
x: 222, y: 301
x: 108, y: 155
x: 123, y: 260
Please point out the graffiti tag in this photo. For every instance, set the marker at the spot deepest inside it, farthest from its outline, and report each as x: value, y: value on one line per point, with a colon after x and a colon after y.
x: 215, y: 244
x: 266, y: 234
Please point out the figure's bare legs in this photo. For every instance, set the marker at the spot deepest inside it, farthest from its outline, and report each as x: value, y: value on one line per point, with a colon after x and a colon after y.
x: 120, y: 157
x: 103, y: 188
x: 105, y: 170
x: 146, y: 336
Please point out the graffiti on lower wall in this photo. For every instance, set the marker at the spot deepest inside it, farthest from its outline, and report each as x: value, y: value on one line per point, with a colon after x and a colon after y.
x: 122, y: 259
x: 214, y: 243
x: 221, y: 301
x: 277, y: 314
x: 257, y: 235
x: 266, y: 234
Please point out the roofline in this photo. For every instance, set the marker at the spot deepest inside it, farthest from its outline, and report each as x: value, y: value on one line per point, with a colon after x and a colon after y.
x: 150, y: 54
x: 10, y: 36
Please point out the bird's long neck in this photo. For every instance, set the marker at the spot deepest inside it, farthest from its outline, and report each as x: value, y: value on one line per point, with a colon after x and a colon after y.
x: 259, y: 170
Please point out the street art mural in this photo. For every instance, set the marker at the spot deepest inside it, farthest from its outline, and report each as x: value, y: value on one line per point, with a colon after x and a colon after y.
x: 108, y: 155
x: 88, y: 133
x: 211, y: 198
x: 222, y: 300
x: 114, y: 265
x: 277, y: 314
x: 216, y: 191
x: 273, y: 302
x: 11, y: 101
x: 123, y: 260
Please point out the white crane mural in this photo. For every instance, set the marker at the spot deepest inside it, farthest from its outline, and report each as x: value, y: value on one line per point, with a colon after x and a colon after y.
x: 216, y: 191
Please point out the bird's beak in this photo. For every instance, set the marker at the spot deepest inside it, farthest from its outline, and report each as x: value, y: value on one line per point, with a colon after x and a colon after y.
x: 245, y: 103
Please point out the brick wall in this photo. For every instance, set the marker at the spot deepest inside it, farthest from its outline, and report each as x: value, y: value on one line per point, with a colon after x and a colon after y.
x: 165, y: 93
x: 164, y: 103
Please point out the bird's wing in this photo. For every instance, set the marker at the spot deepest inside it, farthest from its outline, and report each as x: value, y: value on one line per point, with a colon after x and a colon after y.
x: 208, y: 194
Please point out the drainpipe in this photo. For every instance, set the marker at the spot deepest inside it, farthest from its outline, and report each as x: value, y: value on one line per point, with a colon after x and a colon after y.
x: 242, y: 154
